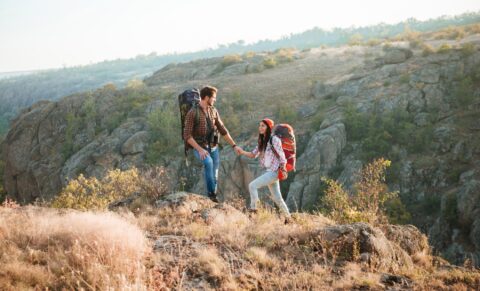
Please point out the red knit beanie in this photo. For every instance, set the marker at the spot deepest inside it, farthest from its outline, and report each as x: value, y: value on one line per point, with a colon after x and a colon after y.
x: 268, y: 122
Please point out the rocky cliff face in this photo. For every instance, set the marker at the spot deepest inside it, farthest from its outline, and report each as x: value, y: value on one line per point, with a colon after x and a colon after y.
x: 424, y: 87
x: 43, y: 149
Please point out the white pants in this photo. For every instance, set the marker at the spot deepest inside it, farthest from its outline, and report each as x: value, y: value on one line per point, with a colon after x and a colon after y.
x: 269, y: 179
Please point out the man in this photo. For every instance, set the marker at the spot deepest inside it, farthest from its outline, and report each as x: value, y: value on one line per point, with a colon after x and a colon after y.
x: 203, y: 137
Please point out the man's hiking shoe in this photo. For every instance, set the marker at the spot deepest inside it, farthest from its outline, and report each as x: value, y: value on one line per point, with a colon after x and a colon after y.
x: 213, y: 197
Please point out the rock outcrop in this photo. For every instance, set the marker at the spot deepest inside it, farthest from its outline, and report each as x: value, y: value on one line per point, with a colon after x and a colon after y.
x: 320, y: 156
x: 45, y: 148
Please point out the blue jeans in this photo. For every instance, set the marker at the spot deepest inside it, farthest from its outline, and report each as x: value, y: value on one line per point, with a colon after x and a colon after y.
x: 269, y: 179
x: 210, y: 166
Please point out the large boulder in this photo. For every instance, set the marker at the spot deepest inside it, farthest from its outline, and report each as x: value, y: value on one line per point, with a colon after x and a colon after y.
x: 363, y: 243
x: 52, y: 142
x: 135, y: 144
x: 397, y: 55
x: 408, y: 237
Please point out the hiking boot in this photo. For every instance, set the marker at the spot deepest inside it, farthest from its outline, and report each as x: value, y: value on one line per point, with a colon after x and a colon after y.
x: 213, y: 197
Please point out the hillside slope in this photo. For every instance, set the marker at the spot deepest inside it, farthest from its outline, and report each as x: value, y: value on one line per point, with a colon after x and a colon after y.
x: 19, y: 92
x: 188, y: 242
x: 416, y: 106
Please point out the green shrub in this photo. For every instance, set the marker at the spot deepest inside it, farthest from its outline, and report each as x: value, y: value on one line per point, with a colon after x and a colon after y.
x: 450, y: 212
x: 430, y: 204
x: 374, y: 42
x: 249, y: 55
x: 444, y: 48
x: 164, y: 131
x: 378, y: 132
x: 453, y: 33
x: 468, y: 49
x: 464, y: 92
x: 369, y: 200
x: 286, y: 114
x: 229, y: 109
x: 229, y: 60
x: 356, y: 39
x: 355, y: 122
x: 415, y: 43
x: 404, y: 79
x: 284, y: 55
x: 74, y: 123
x: 94, y: 194
x: 396, y: 211
x: 270, y: 62
x: 317, y: 120
x: 427, y: 50
x: 239, y: 102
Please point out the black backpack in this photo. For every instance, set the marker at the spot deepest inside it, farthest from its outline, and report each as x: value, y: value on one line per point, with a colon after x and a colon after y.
x: 188, y: 99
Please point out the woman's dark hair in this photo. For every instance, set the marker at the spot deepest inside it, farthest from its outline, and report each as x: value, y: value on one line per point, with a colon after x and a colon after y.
x: 263, y: 139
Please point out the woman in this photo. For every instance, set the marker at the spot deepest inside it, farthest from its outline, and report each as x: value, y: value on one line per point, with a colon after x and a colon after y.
x: 272, y: 158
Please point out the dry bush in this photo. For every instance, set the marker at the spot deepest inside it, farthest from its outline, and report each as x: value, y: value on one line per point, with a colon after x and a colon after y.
x: 93, y: 194
x: 154, y: 183
x: 367, y: 203
x: 231, y: 59
x: 427, y: 50
x: 209, y: 264
x: 453, y: 33
x: 270, y: 62
x: 264, y: 253
x: 468, y: 49
x: 444, y: 48
x: 355, y: 278
x: 9, y: 203
x: 261, y: 257
x: 473, y: 29
x: 45, y: 248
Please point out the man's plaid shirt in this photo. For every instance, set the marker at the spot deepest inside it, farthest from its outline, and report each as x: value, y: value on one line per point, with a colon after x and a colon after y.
x: 199, y: 131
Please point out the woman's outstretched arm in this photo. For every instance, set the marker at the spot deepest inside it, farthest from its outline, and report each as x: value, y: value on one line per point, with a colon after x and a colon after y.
x: 248, y: 154
x: 253, y: 154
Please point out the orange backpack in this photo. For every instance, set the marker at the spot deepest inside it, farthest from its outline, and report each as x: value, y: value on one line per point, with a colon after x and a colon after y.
x: 287, y: 135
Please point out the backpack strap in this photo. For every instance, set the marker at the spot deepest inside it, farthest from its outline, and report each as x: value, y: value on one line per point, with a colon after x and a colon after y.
x: 273, y: 148
x: 197, y: 116
x: 195, y: 123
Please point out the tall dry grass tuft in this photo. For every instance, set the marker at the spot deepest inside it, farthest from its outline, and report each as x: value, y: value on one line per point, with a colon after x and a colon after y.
x: 45, y: 248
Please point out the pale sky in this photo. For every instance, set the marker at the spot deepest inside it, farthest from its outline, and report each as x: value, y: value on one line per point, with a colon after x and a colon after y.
x: 40, y: 34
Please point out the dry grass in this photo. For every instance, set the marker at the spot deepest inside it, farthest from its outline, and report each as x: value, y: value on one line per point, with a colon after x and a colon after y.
x: 264, y: 253
x: 212, y: 247
x: 43, y: 248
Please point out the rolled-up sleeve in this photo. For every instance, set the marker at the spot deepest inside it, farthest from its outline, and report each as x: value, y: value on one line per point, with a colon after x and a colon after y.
x: 220, y: 126
x: 189, y: 122
x: 255, y: 152
x: 277, y: 145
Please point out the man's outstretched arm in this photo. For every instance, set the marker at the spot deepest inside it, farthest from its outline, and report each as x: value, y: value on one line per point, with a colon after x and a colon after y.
x: 226, y: 135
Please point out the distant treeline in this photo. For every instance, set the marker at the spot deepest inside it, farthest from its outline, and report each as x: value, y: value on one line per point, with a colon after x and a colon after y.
x: 22, y: 91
